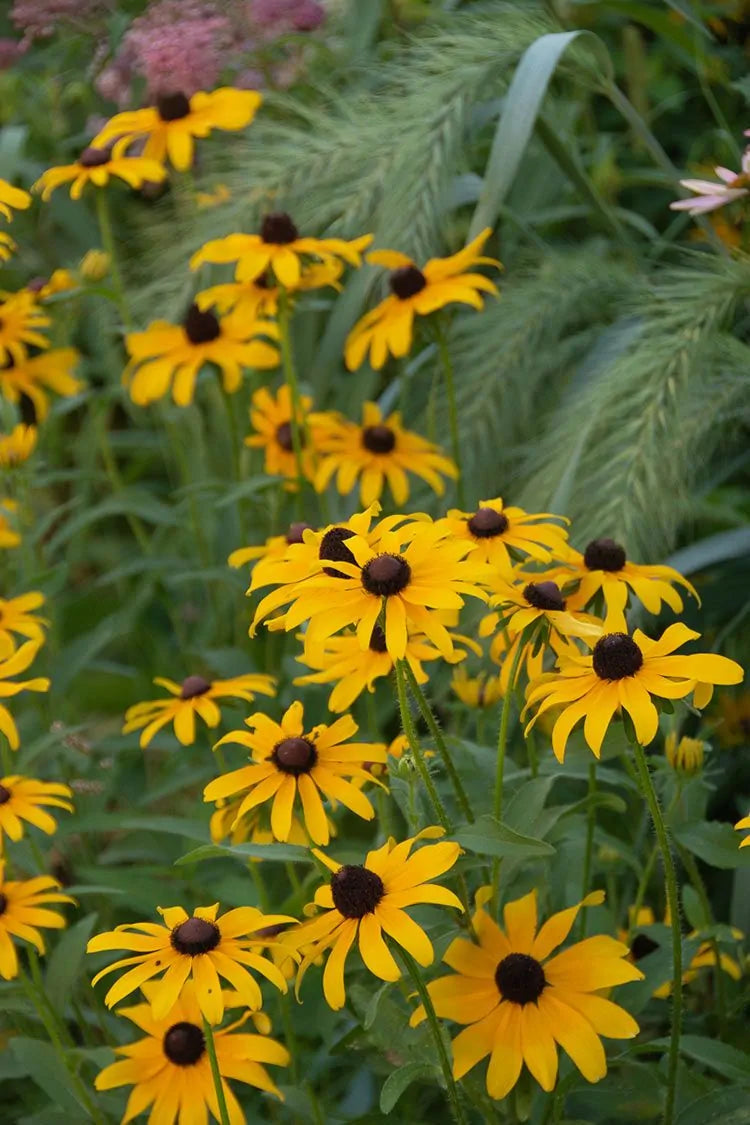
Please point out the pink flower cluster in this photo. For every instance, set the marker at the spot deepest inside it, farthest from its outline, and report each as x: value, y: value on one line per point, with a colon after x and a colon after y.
x: 38, y: 19
x: 286, y: 15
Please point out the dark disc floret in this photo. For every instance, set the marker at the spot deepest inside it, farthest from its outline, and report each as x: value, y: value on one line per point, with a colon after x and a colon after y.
x: 332, y: 549
x: 201, y: 327
x: 285, y: 437
x: 379, y: 439
x: 294, y: 756
x: 616, y: 656
x: 278, y: 229
x: 92, y: 157
x: 3, y: 903
x: 377, y: 640
x: 544, y: 595
x: 184, y: 1043
x: 296, y: 531
x: 356, y: 891
x: 486, y: 523
x: 642, y: 945
x: 194, y: 685
x: 5, y: 795
x: 604, y: 554
x: 386, y: 575
x: 171, y: 107
x: 406, y: 282
x: 195, y: 936
x: 520, y: 978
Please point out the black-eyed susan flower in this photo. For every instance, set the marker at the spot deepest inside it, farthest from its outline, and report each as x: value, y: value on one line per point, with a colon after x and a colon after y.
x: 194, y: 696
x: 273, y: 549
x: 17, y: 617
x: 280, y: 250
x: 524, y: 602
x: 24, y: 799
x: 684, y: 754
x: 499, y: 534
x: 740, y: 826
x: 59, y: 281
x: 171, y: 125
x: 9, y: 537
x: 624, y: 672
x: 12, y: 197
x: 170, y: 1070
x: 7, y: 246
x: 259, y: 296
x: 20, y: 321
x: 519, y: 1003
x: 604, y: 566
x: 271, y: 418
x: 379, y: 450
x: 705, y: 956
x: 292, y: 767
x: 97, y: 166
x: 23, y: 913
x: 503, y: 651
x: 17, y: 446
x: 201, y: 947
x: 477, y: 691
x: 35, y: 376
x: 95, y: 265
x: 173, y: 354
x: 228, y: 823
x: 365, y: 901
x: 19, y: 661
x: 389, y: 327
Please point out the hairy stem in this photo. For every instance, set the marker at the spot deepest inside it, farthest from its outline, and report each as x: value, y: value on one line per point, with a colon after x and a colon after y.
x: 416, y: 749
x: 437, y: 736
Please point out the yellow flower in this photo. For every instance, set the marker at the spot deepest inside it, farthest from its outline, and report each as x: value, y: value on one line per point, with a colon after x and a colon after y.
x: 16, y: 616
x: 11, y: 666
x: 59, y: 282
x: 379, y: 450
x: 388, y: 328
x: 170, y: 1070
x: 17, y: 446
x: 271, y: 418
x: 503, y: 652
x: 95, y: 265
x: 273, y: 549
x: 289, y: 764
x: 363, y: 901
x: 477, y: 691
x: 734, y: 718
x: 20, y: 319
x: 259, y: 297
x: 518, y: 1003
x: 23, y: 912
x: 227, y: 822
x: 12, y: 197
x: 494, y: 528
x: 173, y: 354
x: 220, y: 194
x: 685, y: 754
x: 9, y: 537
x: 604, y: 566
x: 525, y: 604
x: 23, y: 798
x: 194, y: 696
x: 280, y: 249
x: 7, y: 246
x: 624, y: 672
x: 705, y: 956
x: 740, y: 825
x: 175, y: 120
x: 35, y: 376
x: 95, y: 166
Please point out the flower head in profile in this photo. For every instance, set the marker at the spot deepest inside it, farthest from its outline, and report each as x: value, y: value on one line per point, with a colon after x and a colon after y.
x: 293, y: 768
x: 19, y: 661
x: 173, y: 354
x: 26, y: 799
x: 477, y: 691
x: 97, y: 166
x: 364, y: 902
x: 709, y: 196
x: 169, y: 1068
x: 35, y: 376
x: 281, y: 251
x: 59, y: 281
x: 201, y: 947
x: 389, y: 327
x: 626, y: 673
x: 20, y: 321
x: 17, y: 617
x: 274, y: 548
x: 259, y: 296
x: 519, y: 1000
x: 17, y: 446
x: 12, y: 197
x: 503, y: 651
x: 195, y: 696
x: 378, y: 451
x: 7, y: 246
x: 500, y: 535
x: 685, y: 755
x: 24, y: 911
x: 172, y: 124
x: 271, y: 418
x: 524, y: 605
x: 642, y: 944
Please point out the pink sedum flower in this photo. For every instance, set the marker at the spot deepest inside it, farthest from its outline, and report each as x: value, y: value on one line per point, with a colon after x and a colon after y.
x: 711, y: 195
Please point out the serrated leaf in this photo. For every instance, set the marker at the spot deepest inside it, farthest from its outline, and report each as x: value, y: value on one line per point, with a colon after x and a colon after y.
x: 398, y: 1082
x: 487, y: 836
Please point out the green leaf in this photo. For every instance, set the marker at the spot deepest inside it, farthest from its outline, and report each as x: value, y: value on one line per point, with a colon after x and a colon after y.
x: 728, y: 1061
x: 41, y: 1064
x: 282, y: 853
x: 110, y: 823
x: 693, y: 908
x: 734, y: 544
x: 65, y: 961
x: 487, y: 836
x: 721, y: 1107
x: 527, y: 802
x: 713, y: 841
x: 396, y: 1083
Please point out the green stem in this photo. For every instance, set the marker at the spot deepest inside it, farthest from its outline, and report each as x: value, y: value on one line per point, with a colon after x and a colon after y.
x: 588, y: 853
x: 688, y: 862
x: 437, y: 736
x: 290, y: 377
x: 450, y: 391
x: 437, y: 1034
x: 416, y: 750
x: 673, y: 904
x: 208, y: 1035
x: 502, y: 743
x: 108, y: 242
x: 6, y: 754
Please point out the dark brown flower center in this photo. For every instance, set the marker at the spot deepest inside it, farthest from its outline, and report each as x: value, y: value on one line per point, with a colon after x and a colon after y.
x: 642, y: 945
x: 604, y: 554
x: 379, y: 439
x: 544, y: 595
x: 294, y: 755
x: 386, y: 575
x: 5, y: 795
x: 93, y: 157
x: 195, y: 936
x: 201, y: 327
x: 520, y: 978
x: 278, y: 229
x: 486, y: 523
x: 3, y: 903
x: 407, y: 282
x: 616, y: 656
x: 194, y: 685
x: 356, y: 891
x: 332, y: 547
x: 377, y: 640
x: 171, y: 107
x: 36, y: 284
x: 268, y: 933
x: 296, y: 532
x: 285, y: 437
x: 184, y: 1044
